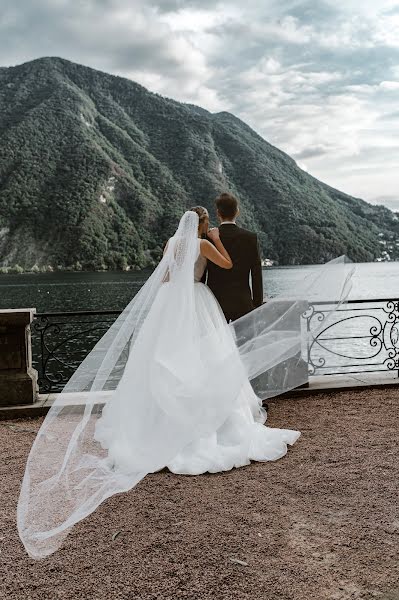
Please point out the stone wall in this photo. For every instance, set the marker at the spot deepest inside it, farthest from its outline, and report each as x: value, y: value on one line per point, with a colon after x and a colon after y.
x: 18, y: 380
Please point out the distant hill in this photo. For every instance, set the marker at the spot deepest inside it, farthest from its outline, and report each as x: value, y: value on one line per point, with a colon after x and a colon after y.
x: 95, y: 172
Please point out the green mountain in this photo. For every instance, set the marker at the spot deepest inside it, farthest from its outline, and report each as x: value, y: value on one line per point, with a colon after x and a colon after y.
x: 95, y: 172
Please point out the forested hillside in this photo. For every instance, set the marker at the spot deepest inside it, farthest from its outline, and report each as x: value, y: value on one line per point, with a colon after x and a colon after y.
x: 95, y: 172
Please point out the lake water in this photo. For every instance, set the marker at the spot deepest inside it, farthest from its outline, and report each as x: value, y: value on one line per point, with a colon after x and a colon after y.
x: 360, y: 341
x: 69, y: 292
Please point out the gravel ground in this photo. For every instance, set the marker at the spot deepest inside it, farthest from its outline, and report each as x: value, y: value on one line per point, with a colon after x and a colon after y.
x: 321, y: 523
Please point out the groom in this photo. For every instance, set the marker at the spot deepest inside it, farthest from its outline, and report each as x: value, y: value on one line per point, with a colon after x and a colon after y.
x: 232, y: 287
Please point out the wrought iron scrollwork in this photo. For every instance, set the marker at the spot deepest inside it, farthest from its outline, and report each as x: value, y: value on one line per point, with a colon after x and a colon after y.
x: 62, y: 340
x: 347, y: 338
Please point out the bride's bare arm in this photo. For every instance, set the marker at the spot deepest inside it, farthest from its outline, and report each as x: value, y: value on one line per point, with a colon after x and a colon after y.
x: 216, y: 253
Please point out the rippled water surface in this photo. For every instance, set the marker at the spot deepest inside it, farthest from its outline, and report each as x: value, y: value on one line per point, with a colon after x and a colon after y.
x: 58, y: 292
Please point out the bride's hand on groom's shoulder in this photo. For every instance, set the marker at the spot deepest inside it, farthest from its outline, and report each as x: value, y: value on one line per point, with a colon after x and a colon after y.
x: 213, y: 234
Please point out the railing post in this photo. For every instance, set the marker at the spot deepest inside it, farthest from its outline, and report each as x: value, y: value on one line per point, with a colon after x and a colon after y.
x: 18, y: 379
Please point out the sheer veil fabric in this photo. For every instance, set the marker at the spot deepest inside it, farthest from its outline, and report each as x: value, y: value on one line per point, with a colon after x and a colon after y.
x: 182, y: 382
x: 273, y: 340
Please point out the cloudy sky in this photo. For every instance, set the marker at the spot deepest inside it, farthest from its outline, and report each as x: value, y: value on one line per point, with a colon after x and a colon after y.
x: 318, y: 81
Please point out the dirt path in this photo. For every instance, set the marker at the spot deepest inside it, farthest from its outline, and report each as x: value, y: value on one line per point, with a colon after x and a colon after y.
x: 322, y: 523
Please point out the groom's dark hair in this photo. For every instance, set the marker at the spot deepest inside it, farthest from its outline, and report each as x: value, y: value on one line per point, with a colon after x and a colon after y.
x: 227, y: 205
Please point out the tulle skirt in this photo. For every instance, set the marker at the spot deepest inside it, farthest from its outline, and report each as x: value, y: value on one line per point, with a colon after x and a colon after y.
x: 232, y: 436
x: 167, y: 386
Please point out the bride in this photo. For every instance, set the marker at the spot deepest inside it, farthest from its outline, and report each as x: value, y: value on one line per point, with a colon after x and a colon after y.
x: 166, y: 386
x: 188, y: 371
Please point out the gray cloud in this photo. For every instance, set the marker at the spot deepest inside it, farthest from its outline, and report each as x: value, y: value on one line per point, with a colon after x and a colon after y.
x: 390, y: 116
x: 391, y: 202
x: 314, y: 12
x: 310, y: 152
x: 108, y: 34
x: 392, y: 11
x: 170, y: 6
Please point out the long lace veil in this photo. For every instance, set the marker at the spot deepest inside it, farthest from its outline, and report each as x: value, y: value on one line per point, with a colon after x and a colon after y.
x: 179, y: 384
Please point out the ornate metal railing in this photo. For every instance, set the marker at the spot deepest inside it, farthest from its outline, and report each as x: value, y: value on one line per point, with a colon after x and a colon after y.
x: 362, y: 336
x: 60, y: 342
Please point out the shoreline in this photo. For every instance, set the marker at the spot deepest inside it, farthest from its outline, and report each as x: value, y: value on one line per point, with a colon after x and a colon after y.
x: 138, y: 270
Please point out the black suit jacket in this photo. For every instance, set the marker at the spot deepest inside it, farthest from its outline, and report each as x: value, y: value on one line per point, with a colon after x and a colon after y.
x: 231, y: 286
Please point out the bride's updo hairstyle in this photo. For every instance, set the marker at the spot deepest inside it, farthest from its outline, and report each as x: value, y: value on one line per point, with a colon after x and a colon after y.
x: 201, y: 212
x: 203, y: 216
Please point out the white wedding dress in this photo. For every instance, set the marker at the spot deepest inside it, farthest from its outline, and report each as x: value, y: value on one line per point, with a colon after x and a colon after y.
x: 242, y: 437
x: 167, y: 386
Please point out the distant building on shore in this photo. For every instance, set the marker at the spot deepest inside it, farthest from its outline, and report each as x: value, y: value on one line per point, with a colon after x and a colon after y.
x: 267, y: 262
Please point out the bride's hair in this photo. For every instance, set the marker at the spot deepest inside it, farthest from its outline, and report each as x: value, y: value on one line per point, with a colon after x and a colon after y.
x: 201, y: 212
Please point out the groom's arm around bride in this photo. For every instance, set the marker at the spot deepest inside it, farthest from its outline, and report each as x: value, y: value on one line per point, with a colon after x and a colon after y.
x: 240, y: 289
